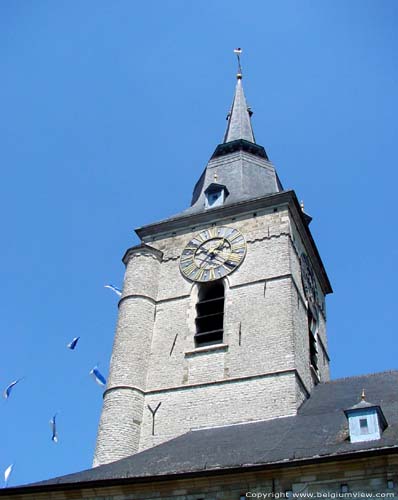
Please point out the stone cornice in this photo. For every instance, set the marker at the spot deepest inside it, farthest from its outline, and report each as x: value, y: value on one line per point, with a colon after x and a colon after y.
x: 137, y: 296
x: 212, y: 383
x: 142, y: 250
x: 121, y: 485
x: 288, y: 198
x: 213, y: 214
x: 239, y: 145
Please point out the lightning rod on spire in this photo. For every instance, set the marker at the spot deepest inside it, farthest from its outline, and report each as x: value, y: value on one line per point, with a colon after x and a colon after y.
x: 238, y: 52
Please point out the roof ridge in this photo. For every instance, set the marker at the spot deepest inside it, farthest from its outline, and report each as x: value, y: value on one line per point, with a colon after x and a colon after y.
x: 360, y: 376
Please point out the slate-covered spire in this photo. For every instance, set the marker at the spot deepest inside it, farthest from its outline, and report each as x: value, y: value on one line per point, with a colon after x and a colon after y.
x: 239, y: 123
x: 239, y: 169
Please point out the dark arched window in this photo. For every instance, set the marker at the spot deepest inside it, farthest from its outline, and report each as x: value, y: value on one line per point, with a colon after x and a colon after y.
x: 210, y: 314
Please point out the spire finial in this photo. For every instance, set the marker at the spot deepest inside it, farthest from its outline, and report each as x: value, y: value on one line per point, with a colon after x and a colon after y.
x: 239, y: 125
x: 238, y: 52
x: 363, y: 395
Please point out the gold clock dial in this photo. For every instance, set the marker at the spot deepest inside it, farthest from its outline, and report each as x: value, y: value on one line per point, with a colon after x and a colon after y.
x: 212, y: 254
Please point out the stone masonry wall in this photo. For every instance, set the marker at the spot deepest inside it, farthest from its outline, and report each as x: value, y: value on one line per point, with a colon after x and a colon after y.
x: 259, y: 338
x: 120, y: 424
x: 372, y: 477
x: 228, y: 402
x: 300, y: 320
x: 251, y: 376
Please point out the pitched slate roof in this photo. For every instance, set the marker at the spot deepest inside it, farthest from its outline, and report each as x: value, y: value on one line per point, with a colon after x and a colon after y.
x: 245, y: 175
x: 318, y: 431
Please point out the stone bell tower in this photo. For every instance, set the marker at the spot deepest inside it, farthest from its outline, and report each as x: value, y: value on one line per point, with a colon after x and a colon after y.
x: 222, y: 316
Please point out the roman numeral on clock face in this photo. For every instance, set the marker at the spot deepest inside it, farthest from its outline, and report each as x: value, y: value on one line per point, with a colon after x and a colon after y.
x: 186, y: 258
x: 222, y: 271
x: 189, y: 251
x: 238, y: 246
x: 213, y: 232
x: 189, y: 268
x: 212, y: 254
x: 236, y: 238
x: 199, y: 274
x: 234, y: 258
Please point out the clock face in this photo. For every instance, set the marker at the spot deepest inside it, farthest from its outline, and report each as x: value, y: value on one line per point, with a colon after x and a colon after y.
x: 309, y: 284
x: 212, y: 254
x: 308, y: 279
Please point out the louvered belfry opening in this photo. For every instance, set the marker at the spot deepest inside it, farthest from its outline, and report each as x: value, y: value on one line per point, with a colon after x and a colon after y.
x: 210, y: 314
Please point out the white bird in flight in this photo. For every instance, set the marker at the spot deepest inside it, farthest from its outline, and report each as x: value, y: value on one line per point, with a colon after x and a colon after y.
x: 97, y: 375
x: 53, y: 425
x: 114, y: 289
x: 9, y: 388
x: 7, y: 474
x: 73, y: 343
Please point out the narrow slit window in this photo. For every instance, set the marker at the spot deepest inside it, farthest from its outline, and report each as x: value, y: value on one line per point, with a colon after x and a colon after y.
x: 210, y: 314
x: 312, y: 333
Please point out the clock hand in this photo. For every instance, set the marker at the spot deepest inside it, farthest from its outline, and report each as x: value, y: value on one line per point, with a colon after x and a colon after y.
x: 220, y: 259
x: 203, y: 249
x: 212, y: 252
x: 210, y: 258
x: 219, y: 247
x: 203, y: 259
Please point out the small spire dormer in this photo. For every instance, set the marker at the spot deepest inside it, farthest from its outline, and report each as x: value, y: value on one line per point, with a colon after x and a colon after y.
x: 215, y: 195
x: 366, y: 421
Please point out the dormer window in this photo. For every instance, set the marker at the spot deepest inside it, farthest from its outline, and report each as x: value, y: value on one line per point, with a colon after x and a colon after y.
x: 215, y: 198
x: 215, y: 195
x: 363, y: 426
x: 366, y: 421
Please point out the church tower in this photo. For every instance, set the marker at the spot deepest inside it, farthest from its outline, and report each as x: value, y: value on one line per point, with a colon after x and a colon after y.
x: 222, y: 317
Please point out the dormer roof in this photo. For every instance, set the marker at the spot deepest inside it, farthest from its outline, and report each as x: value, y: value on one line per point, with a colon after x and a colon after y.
x: 215, y: 186
x: 364, y: 407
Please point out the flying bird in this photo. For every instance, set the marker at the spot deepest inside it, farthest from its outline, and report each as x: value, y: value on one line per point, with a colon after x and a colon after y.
x: 8, y: 389
x: 72, y: 344
x: 114, y: 289
x: 7, y: 474
x: 97, y: 375
x: 53, y: 424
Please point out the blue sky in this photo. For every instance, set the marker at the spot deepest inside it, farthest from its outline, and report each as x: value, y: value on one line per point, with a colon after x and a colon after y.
x: 110, y: 111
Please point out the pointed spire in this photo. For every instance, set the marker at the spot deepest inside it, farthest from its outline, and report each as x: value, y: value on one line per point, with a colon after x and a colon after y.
x: 239, y: 124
